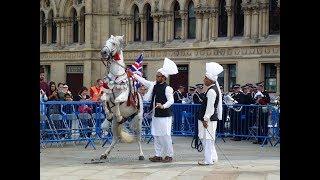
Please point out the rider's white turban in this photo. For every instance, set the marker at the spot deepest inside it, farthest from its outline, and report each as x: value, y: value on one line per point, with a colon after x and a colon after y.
x: 168, y: 68
x: 212, y: 70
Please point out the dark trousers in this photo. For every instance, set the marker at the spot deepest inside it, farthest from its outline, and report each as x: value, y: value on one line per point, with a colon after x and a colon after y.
x: 263, y: 122
x: 235, y: 122
x: 221, y: 129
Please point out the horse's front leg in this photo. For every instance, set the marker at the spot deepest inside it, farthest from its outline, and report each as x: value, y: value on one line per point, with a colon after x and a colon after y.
x: 137, y: 126
x: 109, y: 114
x: 115, y: 140
x: 117, y: 112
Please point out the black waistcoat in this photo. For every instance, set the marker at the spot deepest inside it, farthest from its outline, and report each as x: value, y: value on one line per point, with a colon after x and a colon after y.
x: 203, y: 108
x: 159, y: 96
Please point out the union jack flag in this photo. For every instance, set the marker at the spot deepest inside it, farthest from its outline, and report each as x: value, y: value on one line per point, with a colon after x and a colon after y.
x: 137, y: 68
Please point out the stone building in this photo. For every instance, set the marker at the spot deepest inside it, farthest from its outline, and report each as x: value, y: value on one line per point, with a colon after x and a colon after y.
x: 242, y: 35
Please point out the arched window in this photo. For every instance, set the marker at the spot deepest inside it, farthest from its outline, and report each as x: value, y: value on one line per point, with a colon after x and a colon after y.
x: 191, y: 21
x: 177, y: 21
x: 43, y: 28
x: 75, y: 26
x: 238, y: 18
x: 223, y: 19
x: 53, y: 28
x: 137, y: 26
x: 82, y: 28
x: 274, y: 17
x: 149, y: 20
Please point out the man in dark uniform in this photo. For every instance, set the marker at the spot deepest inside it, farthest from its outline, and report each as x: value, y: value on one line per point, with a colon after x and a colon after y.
x: 235, y: 117
x: 248, y: 99
x: 263, y: 99
x: 247, y: 122
x: 250, y: 89
x: 177, y: 95
x: 190, y: 95
x: 198, y: 95
x: 237, y: 94
x: 220, y: 127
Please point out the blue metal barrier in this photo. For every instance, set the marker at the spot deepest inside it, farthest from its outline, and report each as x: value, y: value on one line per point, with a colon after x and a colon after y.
x: 62, y: 121
x: 250, y: 122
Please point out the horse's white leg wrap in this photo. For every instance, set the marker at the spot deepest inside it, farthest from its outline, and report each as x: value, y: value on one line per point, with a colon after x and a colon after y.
x: 136, y: 124
x: 115, y: 138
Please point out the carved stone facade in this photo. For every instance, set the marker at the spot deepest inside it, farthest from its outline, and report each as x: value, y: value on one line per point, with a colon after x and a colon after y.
x: 98, y: 19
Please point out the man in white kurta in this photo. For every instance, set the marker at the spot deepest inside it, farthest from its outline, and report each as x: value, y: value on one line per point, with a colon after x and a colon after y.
x: 161, y: 126
x: 208, y: 124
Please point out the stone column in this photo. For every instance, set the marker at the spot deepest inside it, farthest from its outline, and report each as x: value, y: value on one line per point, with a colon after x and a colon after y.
x: 49, y: 30
x: 87, y: 73
x: 199, y: 16
x: 166, y: 28
x: 123, y: 27
x: 261, y: 23
x: 183, y: 15
x: 170, y: 28
x: 255, y: 23
x: 155, y: 27
x: 265, y: 13
x: 127, y: 29
x: 82, y: 31
x: 89, y: 24
x: 143, y: 27
x: 58, y: 22
x: 230, y: 22
x: 205, y: 26
x: 131, y: 30
x: 247, y: 22
x: 63, y: 25
x: 69, y: 32
x: 161, y: 29
x: 214, y: 31
x: 278, y: 78
x: 79, y: 30
x: 225, y: 77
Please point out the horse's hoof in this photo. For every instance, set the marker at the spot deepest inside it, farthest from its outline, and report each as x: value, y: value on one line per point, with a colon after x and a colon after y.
x: 141, y: 157
x: 103, y: 156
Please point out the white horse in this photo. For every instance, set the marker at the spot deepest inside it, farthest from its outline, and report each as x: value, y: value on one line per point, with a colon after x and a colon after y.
x: 120, y: 86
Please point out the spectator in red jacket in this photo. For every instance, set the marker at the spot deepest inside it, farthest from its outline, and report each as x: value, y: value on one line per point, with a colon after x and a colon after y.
x: 43, y: 84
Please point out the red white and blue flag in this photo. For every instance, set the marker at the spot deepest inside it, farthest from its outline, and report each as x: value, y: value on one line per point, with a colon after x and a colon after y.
x: 137, y: 68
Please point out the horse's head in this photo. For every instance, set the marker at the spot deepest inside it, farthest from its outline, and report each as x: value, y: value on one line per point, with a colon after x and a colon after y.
x: 113, y: 45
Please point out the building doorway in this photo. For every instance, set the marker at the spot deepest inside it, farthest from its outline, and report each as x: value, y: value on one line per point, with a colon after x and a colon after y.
x: 74, y: 78
x: 182, y: 78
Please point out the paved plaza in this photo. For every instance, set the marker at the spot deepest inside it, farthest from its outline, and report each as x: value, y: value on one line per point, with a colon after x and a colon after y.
x: 253, y: 162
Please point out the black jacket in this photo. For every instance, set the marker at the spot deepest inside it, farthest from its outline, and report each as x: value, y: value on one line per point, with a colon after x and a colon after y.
x: 239, y: 97
x: 198, y: 97
x: 177, y: 97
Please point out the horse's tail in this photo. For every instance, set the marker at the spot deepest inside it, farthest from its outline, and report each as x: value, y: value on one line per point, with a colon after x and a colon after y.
x: 124, y: 136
